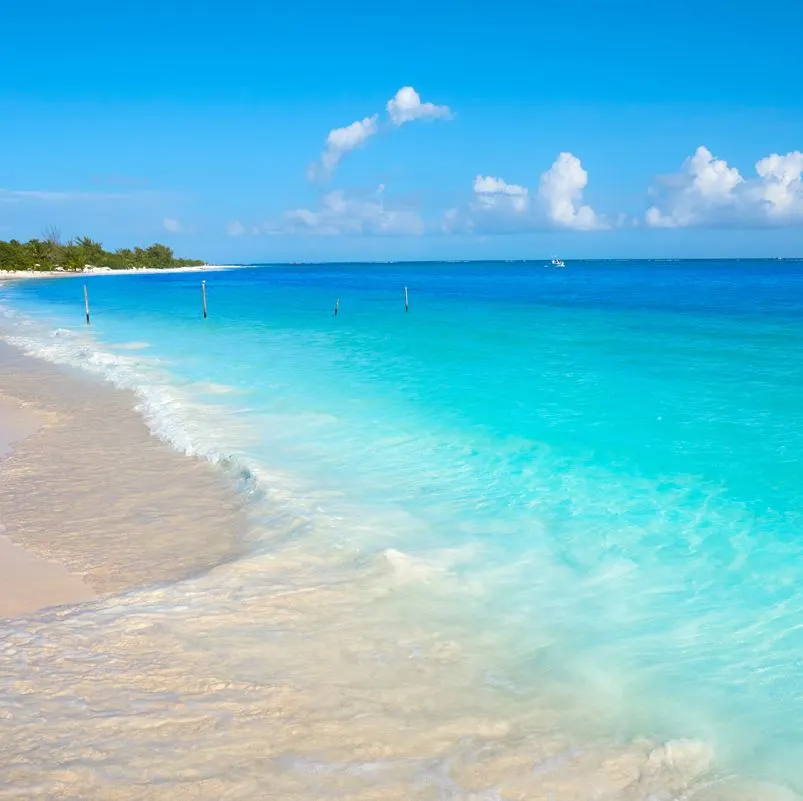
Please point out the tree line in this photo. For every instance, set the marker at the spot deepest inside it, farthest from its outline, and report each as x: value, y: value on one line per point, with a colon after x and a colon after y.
x: 49, y: 253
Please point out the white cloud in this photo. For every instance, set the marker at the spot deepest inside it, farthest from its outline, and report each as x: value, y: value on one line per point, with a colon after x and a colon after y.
x: 499, y: 206
x: 708, y: 192
x: 493, y: 192
x: 340, y: 214
x: 172, y: 225
x: 235, y: 228
x: 561, y: 189
x: 655, y: 218
x: 48, y: 196
x: 406, y: 106
x: 341, y: 141
x: 702, y: 189
x: 781, y: 190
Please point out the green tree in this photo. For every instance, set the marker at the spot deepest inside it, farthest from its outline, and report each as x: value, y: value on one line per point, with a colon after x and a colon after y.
x: 91, y: 251
x: 40, y: 254
x: 49, y: 252
x: 159, y: 255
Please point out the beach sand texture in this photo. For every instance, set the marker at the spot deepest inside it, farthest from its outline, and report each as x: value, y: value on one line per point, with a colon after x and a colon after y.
x: 90, y: 488
x: 29, y: 582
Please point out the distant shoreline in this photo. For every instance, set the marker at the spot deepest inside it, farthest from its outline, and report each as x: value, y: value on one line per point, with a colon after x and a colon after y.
x: 93, y: 271
x: 201, y: 268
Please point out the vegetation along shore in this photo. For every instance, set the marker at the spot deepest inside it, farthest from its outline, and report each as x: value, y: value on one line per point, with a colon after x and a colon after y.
x: 49, y: 254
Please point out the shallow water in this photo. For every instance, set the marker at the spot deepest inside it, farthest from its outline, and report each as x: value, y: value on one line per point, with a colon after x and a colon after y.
x: 541, y: 515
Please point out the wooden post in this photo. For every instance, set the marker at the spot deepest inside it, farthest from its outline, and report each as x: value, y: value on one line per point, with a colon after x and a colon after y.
x: 337, y: 306
x: 406, y: 300
x: 203, y: 296
x: 86, y: 305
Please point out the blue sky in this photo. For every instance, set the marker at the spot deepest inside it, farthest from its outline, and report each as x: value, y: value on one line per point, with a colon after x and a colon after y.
x: 586, y: 129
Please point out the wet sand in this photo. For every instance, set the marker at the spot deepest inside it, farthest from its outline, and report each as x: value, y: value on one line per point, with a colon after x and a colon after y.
x: 29, y: 582
x: 92, y: 490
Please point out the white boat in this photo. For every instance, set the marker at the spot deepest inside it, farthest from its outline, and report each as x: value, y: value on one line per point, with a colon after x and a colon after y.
x: 558, y: 263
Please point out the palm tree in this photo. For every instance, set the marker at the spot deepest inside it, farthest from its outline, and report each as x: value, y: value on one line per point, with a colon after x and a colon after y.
x: 41, y: 253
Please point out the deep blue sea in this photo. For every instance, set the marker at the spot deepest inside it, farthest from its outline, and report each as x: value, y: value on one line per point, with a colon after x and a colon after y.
x: 602, y: 463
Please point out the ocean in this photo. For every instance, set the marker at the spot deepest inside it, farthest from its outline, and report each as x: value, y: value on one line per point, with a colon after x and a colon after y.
x: 573, y: 494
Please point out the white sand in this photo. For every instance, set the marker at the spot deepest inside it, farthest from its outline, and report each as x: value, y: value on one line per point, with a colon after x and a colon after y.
x: 19, y: 274
x: 94, y: 491
x: 29, y: 582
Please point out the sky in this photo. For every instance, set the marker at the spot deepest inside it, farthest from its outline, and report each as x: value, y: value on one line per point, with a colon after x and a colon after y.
x: 261, y: 132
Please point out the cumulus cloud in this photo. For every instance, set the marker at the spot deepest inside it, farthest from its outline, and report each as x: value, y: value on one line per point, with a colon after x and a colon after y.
x: 235, y: 228
x: 406, y: 106
x: 703, y: 189
x: 561, y: 189
x: 492, y: 192
x: 341, y: 141
x: 708, y: 192
x: 340, y: 215
x: 497, y: 205
x: 172, y: 225
x: 780, y: 191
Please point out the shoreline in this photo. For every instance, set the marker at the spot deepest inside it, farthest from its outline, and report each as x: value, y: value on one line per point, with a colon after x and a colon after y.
x: 201, y: 268
x: 91, y: 489
x: 28, y: 582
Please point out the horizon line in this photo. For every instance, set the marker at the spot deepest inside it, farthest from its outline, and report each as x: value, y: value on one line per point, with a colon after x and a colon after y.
x: 515, y: 261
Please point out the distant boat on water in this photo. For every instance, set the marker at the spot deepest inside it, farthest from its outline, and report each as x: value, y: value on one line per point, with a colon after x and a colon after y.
x: 558, y: 263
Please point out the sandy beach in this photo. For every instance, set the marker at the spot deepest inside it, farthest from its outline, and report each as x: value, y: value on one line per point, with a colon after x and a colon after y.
x: 33, y: 274
x: 81, y: 518
x: 29, y: 582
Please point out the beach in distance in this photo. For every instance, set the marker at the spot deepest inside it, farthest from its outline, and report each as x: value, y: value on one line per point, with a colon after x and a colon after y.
x: 201, y: 268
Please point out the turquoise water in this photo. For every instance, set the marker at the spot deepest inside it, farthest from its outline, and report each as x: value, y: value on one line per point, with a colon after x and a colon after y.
x: 609, y: 455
